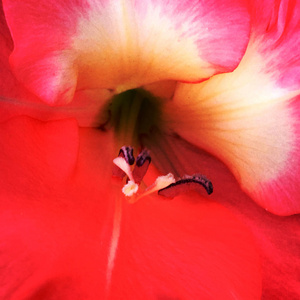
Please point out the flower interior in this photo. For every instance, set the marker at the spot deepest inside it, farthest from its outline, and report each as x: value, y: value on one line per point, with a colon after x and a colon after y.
x: 135, y: 115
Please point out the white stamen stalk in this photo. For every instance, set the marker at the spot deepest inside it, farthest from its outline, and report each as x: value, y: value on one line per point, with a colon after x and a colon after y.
x: 130, y: 188
x: 114, y: 241
x: 124, y: 166
x: 160, y: 183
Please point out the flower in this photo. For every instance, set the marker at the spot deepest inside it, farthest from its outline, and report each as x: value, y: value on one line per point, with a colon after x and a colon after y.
x: 67, y: 231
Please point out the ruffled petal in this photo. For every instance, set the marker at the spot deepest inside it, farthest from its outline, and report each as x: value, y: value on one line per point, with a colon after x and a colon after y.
x: 16, y: 100
x: 9, y: 85
x: 63, y: 46
x: 276, y: 39
x: 56, y: 233
x: 250, y: 118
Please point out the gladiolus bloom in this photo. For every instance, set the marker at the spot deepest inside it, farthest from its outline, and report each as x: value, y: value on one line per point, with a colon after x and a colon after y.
x: 203, y: 87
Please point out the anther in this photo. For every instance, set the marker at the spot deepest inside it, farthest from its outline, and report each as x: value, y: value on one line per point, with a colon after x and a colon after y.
x: 186, y: 184
x: 125, y: 152
x: 130, y: 188
x: 141, y: 166
x: 160, y: 183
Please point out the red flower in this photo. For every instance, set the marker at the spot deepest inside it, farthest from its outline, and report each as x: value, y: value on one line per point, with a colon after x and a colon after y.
x: 227, y: 76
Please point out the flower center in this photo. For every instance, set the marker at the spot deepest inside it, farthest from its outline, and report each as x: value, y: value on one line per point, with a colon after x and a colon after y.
x: 134, y: 114
x: 165, y: 185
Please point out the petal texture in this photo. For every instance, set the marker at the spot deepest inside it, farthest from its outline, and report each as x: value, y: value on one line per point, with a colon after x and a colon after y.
x: 68, y: 45
x: 56, y: 234
x: 250, y: 118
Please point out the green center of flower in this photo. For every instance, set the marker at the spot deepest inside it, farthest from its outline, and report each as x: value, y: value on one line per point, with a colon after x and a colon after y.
x: 134, y: 114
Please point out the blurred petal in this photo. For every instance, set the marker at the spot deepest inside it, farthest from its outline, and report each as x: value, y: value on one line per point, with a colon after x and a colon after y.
x: 250, y: 118
x: 55, y: 233
x: 61, y: 46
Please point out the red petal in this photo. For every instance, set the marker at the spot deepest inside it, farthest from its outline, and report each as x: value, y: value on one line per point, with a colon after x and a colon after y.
x: 47, y: 149
x: 53, y: 240
x: 278, y: 238
x: 183, y: 249
x: 66, y: 45
x: 56, y: 232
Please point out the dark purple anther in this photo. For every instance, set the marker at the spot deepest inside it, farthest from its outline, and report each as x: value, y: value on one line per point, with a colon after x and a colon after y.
x: 142, y: 163
x: 186, y: 184
x: 127, y: 153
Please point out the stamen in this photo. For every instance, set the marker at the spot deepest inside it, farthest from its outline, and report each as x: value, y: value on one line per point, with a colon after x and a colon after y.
x: 166, y: 185
x: 160, y: 183
x: 186, y: 184
x: 142, y: 163
x: 130, y: 188
x: 125, y: 152
x: 124, y: 166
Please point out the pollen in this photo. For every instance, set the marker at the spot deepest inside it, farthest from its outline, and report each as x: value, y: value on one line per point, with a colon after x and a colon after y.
x: 161, y: 182
x: 130, y: 188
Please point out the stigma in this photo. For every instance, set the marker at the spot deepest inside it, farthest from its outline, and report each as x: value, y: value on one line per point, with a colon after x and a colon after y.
x: 125, y: 166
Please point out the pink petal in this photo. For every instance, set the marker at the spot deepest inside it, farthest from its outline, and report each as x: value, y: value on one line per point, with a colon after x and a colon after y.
x: 16, y: 100
x: 63, y: 46
x: 56, y: 232
x: 250, y: 118
x: 249, y: 126
x: 276, y: 38
x: 9, y: 86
